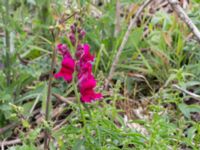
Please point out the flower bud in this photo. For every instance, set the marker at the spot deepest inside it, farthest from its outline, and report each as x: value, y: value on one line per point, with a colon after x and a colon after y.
x: 81, y: 34
x: 73, y: 29
x: 72, y: 38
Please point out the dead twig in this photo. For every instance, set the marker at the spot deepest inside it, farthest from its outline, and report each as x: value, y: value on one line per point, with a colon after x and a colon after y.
x: 184, y: 17
x: 63, y: 99
x: 193, y: 95
x: 60, y: 125
x: 11, y: 142
x: 131, y: 25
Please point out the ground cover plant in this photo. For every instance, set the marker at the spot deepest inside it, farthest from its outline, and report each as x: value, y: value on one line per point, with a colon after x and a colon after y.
x: 99, y: 74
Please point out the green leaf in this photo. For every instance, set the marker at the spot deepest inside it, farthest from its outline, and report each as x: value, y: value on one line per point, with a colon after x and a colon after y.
x: 187, y: 109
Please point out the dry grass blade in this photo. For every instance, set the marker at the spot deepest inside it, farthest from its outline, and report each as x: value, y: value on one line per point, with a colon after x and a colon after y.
x: 8, y: 143
x: 63, y: 99
x: 142, y: 77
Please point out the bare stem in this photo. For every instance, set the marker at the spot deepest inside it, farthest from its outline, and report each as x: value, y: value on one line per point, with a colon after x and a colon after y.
x: 8, y: 143
x: 131, y: 25
x: 184, y: 17
x: 46, y: 139
x: 193, y: 95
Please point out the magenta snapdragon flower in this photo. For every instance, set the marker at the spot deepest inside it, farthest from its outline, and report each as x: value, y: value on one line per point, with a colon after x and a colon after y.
x: 86, y: 80
x: 67, y: 69
x: 87, y: 83
x: 67, y: 64
x: 83, y: 65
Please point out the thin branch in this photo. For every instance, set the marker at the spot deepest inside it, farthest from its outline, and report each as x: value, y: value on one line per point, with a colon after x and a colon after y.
x: 193, y: 95
x: 184, y: 17
x: 49, y: 93
x: 63, y: 99
x: 131, y: 25
x: 60, y: 125
x: 11, y: 142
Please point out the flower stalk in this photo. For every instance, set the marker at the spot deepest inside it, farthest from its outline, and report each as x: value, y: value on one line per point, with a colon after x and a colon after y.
x: 51, y: 75
x: 78, y: 99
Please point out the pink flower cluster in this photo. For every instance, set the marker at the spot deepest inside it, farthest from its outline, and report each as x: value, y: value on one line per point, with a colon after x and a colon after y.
x: 82, y: 64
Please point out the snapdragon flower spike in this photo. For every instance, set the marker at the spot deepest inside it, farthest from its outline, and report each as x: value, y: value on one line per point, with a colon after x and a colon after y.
x: 87, y: 82
x: 83, y: 65
x: 67, y: 64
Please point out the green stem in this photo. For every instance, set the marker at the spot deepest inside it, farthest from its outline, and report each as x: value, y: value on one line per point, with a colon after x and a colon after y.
x: 88, y: 110
x: 78, y: 99
x: 80, y: 107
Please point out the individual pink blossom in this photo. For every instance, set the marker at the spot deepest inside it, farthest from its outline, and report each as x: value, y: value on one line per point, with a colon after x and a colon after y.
x: 83, y: 54
x: 89, y: 96
x: 84, y: 69
x: 67, y: 65
x: 86, y: 54
x: 87, y: 83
